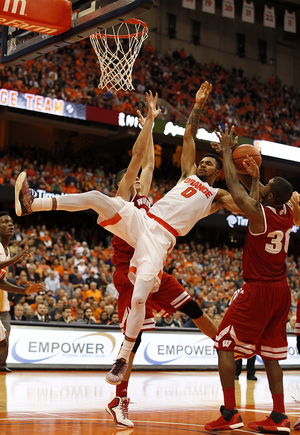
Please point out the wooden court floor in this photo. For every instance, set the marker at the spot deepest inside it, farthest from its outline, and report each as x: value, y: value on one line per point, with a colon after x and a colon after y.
x: 177, y: 403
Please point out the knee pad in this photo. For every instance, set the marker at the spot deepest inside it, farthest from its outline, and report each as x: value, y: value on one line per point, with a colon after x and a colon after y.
x: 191, y: 309
x: 137, y: 300
x: 137, y: 342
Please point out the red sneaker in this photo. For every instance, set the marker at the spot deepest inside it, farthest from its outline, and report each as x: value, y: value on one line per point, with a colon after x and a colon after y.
x: 230, y: 419
x: 275, y: 423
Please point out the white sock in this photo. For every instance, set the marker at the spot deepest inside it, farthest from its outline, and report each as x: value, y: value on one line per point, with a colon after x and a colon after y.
x: 126, y: 349
x: 42, y: 204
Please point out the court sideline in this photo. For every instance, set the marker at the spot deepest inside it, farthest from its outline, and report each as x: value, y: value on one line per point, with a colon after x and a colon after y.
x: 60, y: 402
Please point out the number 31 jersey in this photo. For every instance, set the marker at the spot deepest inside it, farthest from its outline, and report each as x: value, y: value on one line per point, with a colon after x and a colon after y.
x: 265, y: 254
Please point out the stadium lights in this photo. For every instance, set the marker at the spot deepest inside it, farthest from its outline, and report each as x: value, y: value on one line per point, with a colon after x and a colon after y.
x: 277, y: 150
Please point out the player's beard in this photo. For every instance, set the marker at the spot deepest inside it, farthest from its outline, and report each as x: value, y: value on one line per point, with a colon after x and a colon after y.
x: 263, y: 198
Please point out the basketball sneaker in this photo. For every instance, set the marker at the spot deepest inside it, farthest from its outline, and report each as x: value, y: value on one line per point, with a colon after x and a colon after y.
x: 123, y: 431
x: 297, y: 424
x: 23, y: 196
x: 118, y: 409
x: 273, y: 424
x: 230, y: 419
x: 116, y: 374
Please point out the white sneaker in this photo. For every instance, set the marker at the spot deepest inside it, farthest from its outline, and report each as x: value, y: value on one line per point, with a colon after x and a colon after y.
x: 297, y: 424
x: 118, y: 409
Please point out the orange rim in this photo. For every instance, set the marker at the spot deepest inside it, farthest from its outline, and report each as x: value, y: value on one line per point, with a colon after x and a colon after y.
x: 100, y: 35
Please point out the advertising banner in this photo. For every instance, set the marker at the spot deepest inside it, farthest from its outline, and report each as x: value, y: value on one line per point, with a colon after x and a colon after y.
x: 45, y: 105
x: 44, y: 347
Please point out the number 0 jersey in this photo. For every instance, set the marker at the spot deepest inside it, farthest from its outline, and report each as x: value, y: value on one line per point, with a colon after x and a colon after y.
x: 264, y: 254
x: 184, y: 205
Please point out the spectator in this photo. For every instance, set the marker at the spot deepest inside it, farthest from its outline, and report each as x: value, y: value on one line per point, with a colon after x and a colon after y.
x: 52, y: 282
x: 19, y: 313
x: 58, y: 309
x: 74, y: 307
x: 79, y: 318
x: 93, y: 291
x: 32, y: 275
x: 103, y: 319
x: 40, y: 315
x: 88, y: 316
x: 291, y: 324
x: 66, y: 315
x: 168, y: 321
x: 114, y: 318
x: 66, y: 285
x: 28, y: 312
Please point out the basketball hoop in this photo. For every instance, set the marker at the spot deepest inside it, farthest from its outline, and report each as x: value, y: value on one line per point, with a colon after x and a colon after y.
x: 117, y: 52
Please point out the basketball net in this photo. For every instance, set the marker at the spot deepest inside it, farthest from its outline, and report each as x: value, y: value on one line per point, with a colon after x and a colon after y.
x: 117, y: 52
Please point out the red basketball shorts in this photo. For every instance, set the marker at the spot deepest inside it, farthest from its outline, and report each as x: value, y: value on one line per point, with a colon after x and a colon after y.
x: 255, y: 322
x: 168, y: 299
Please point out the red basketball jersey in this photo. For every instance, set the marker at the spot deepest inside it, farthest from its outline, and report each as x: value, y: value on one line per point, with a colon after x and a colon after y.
x: 122, y: 251
x: 264, y: 254
x: 297, y: 327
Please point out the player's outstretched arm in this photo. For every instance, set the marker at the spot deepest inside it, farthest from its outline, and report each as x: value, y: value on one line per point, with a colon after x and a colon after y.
x: 188, y: 155
x: 7, y: 286
x: 250, y: 207
x: 139, y: 148
x: 14, y: 259
x: 296, y: 209
x: 148, y: 162
x: 253, y: 170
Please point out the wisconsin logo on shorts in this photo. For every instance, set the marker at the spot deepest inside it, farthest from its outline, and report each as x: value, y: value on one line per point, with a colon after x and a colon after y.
x: 226, y: 343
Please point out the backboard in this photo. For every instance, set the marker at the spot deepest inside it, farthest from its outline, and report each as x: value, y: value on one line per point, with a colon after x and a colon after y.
x: 87, y: 17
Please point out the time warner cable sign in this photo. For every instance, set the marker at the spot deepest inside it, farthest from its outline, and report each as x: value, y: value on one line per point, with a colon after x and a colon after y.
x: 235, y: 221
x: 38, y: 346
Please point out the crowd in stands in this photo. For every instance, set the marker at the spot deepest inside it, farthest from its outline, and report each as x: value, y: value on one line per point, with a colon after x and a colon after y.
x: 259, y: 110
x: 59, y: 176
x: 79, y: 278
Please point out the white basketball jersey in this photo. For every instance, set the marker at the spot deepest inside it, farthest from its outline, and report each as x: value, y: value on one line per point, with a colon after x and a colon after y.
x: 4, y: 302
x: 185, y: 204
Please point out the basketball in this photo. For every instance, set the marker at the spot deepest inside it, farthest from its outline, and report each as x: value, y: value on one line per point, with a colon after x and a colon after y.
x: 240, y: 154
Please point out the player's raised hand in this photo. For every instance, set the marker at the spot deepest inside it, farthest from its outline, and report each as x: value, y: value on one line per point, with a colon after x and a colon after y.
x: 295, y: 198
x: 203, y: 93
x: 251, y: 166
x: 226, y: 138
x: 141, y: 118
x: 152, y: 109
x: 35, y: 288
